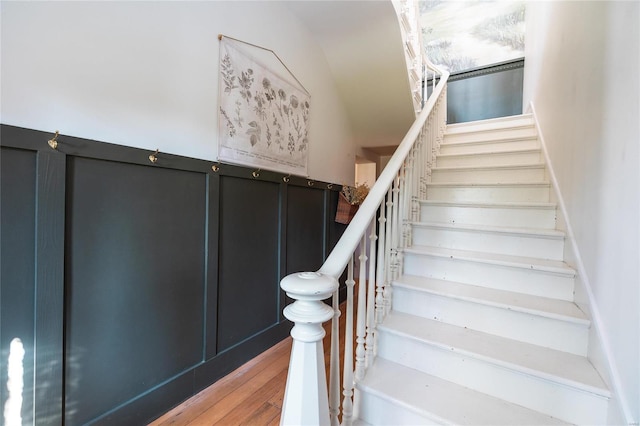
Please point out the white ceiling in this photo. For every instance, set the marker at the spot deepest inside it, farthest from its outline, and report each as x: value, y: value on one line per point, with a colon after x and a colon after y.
x: 363, y: 46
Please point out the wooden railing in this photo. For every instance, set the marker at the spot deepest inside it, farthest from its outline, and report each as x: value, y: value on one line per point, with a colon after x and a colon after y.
x: 394, y: 203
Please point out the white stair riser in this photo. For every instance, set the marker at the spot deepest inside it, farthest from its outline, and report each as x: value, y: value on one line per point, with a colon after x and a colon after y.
x: 489, y: 175
x: 502, y: 321
x: 500, y: 277
x: 539, y: 218
x: 447, y: 148
x: 493, y: 159
x: 490, y: 125
x: 514, y: 193
x: 497, y: 134
x: 563, y: 402
x: 543, y: 247
x: 381, y: 411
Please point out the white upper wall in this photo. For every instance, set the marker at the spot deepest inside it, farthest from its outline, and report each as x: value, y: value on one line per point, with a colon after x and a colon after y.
x: 582, y: 75
x: 145, y: 74
x: 365, y: 51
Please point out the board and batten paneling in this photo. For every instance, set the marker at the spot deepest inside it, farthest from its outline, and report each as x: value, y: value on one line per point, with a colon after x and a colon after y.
x: 485, y: 92
x: 135, y: 287
x: 31, y: 293
x: 306, y: 234
x: 248, y: 259
x: 17, y: 269
x: 142, y: 283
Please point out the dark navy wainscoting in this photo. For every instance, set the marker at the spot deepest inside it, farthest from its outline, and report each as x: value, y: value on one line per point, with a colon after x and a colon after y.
x: 249, y: 236
x: 486, y: 92
x: 134, y: 285
x: 17, y: 266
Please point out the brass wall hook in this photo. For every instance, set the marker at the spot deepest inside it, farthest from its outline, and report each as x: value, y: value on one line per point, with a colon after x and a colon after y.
x: 53, y: 142
x: 329, y: 185
x: 286, y: 178
x: 256, y: 173
x: 154, y: 157
x: 310, y: 183
x: 215, y: 167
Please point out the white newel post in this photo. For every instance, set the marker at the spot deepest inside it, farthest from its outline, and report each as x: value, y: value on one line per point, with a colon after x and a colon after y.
x: 306, y: 400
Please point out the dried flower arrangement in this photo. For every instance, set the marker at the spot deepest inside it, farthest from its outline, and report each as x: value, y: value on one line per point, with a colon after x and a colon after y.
x: 349, y: 200
x: 355, y: 195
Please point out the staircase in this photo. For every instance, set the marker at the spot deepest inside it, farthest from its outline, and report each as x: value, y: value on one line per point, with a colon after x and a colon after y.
x: 483, y: 328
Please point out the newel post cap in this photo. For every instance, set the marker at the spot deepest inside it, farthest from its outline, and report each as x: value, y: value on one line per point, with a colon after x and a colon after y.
x: 309, y: 286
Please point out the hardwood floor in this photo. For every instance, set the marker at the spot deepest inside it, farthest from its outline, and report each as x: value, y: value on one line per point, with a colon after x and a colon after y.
x: 250, y: 395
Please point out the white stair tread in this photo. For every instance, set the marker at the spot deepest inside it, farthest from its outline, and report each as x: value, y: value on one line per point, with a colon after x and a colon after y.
x: 512, y: 205
x: 543, y: 306
x: 445, y: 402
x: 542, y: 233
x: 489, y: 153
x: 532, y: 263
x: 483, y: 168
x: 550, y: 364
x: 488, y: 140
x: 495, y: 123
x: 489, y: 184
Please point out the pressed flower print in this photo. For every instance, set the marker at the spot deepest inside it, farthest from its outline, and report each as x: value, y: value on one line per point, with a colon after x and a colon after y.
x: 263, y: 118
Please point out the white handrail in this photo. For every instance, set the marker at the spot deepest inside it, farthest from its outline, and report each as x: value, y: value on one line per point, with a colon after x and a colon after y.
x: 341, y: 253
x: 395, y: 198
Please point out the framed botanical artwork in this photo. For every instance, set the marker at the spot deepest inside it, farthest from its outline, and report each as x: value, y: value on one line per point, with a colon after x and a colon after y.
x: 263, y: 118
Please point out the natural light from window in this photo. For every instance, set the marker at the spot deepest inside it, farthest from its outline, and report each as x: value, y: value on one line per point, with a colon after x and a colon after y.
x: 15, y: 384
x: 461, y: 35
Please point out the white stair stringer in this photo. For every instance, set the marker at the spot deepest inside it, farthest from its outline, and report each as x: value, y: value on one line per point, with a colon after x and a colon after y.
x: 556, y: 383
x: 483, y: 328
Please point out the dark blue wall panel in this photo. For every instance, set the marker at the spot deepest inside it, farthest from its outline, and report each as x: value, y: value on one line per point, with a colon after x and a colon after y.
x: 248, y: 260
x: 142, y: 283
x: 135, y: 281
x: 17, y: 268
x: 483, y: 93
x: 305, y: 229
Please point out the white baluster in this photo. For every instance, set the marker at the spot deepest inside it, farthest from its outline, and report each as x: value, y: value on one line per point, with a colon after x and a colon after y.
x: 410, y: 186
x: 381, y: 272
x: 433, y: 83
x: 444, y: 109
x: 334, y: 363
x: 371, y: 295
x: 405, y: 172
x: 425, y: 163
x: 306, y: 399
x: 395, y: 228
x: 347, y: 378
x: 415, y: 193
x: 407, y: 234
x: 361, y: 313
x: 434, y: 149
x: 432, y: 156
x: 388, y: 252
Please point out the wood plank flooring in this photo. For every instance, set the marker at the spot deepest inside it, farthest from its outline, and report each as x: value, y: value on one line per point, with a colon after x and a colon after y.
x: 250, y: 395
